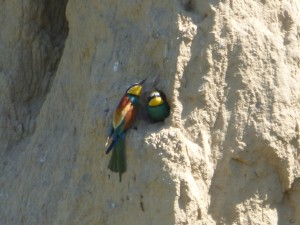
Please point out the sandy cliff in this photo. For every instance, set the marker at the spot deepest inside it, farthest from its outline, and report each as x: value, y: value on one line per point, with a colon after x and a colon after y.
x: 228, y: 153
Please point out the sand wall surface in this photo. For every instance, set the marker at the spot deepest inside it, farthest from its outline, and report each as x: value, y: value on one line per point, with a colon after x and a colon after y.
x: 229, y: 152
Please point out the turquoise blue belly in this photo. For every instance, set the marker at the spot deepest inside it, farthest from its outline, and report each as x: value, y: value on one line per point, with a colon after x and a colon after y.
x: 158, y: 113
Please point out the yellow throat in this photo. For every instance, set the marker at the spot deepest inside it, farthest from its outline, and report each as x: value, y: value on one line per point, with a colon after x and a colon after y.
x: 155, y: 99
x: 135, y: 90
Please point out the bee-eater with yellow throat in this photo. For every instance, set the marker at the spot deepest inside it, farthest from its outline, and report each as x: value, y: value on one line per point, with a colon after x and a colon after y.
x: 123, y: 119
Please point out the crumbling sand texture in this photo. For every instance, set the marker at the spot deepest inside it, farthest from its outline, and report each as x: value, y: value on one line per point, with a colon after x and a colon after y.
x: 227, y: 154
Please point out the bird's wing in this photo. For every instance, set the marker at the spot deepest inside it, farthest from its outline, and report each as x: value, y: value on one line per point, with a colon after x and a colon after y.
x: 124, y: 106
x: 130, y: 117
x: 109, y: 138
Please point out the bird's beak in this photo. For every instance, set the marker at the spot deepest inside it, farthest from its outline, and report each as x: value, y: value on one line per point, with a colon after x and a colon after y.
x: 143, y: 81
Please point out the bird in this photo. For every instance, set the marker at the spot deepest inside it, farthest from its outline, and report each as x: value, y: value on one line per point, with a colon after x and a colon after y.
x: 123, y: 118
x: 157, y: 106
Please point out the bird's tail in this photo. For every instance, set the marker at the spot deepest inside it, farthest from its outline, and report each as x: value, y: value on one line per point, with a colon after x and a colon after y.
x: 117, y: 162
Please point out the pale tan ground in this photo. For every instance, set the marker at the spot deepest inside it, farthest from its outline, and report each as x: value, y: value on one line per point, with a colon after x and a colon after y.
x: 228, y: 153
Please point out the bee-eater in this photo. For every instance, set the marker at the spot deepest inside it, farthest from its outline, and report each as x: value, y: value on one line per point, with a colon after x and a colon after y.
x: 123, y: 118
x: 157, y: 107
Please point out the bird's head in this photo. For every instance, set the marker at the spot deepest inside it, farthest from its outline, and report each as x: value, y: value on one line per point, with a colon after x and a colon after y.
x: 155, y: 99
x: 135, y: 89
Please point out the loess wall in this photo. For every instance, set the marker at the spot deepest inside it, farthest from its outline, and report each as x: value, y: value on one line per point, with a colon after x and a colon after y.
x: 228, y: 154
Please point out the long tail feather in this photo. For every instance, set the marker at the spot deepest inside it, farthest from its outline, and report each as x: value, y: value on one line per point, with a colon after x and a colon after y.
x: 117, y: 162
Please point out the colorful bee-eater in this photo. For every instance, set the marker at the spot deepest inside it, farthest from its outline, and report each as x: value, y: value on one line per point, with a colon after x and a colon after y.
x: 157, y: 107
x: 123, y: 118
